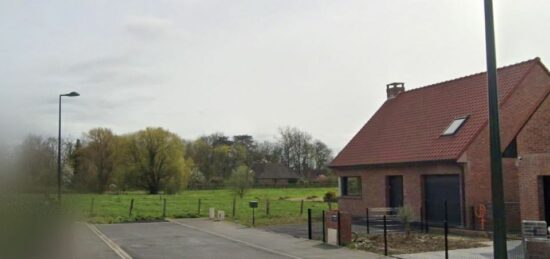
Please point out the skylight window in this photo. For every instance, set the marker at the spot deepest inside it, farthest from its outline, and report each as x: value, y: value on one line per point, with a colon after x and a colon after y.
x: 454, y: 126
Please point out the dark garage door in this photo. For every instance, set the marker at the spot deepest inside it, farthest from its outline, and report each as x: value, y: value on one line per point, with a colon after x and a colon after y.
x: 437, y: 190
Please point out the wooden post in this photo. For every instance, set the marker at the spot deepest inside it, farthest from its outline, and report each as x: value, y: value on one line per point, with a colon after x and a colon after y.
x: 234, y: 203
x: 164, y: 208
x: 199, y: 208
x: 92, y: 207
x: 131, y: 208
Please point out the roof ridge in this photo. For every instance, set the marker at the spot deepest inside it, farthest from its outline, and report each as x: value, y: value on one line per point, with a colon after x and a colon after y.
x: 536, y: 59
x: 504, y: 99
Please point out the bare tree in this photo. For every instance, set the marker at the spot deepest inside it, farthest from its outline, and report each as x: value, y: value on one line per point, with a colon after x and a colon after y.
x: 320, y: 155
x: 295, y: 149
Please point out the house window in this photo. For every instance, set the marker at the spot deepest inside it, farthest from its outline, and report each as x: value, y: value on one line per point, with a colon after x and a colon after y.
x: 454, y: 126
x: 350, y: 185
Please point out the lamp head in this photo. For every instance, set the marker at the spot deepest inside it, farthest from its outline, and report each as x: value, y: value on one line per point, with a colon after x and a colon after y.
x: 71, y: 94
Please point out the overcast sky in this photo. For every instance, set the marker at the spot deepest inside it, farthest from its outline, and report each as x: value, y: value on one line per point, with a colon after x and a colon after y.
x: 241, y: 67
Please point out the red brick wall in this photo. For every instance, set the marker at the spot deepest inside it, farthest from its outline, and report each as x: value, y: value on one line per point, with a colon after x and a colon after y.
x: 514, y: 114
x: 534, y: 149
x: 345, y: 224
x: 374, y: 192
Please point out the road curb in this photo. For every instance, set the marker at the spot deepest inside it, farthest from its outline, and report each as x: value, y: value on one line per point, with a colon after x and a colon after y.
x: 116, y: 248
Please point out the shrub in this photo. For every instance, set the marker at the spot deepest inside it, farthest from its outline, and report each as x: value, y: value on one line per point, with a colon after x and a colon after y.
x: 329, y: 198
x: 241, y: 180
x: 405, y: 215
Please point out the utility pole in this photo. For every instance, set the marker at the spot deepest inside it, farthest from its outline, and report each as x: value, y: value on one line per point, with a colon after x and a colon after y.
x: 499, y: 217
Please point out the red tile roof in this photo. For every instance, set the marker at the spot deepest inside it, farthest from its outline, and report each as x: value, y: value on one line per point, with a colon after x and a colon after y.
x: 408, y: 127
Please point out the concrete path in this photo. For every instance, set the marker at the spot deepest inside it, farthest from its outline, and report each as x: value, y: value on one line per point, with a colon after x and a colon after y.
x: 300, y: 230
x: 515, y: 251
x: 201, y: 238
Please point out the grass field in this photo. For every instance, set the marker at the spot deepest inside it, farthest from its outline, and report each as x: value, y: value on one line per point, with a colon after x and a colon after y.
x: 284, y: 205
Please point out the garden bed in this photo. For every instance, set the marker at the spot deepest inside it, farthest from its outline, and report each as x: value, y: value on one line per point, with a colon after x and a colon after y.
x: 399, y: 243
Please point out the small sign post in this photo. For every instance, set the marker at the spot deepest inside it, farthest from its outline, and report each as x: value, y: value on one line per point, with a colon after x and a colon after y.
x: 253, y: 205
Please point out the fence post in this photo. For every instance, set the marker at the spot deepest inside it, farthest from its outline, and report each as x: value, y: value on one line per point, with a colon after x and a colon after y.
x: 446, y: 232
x: 473, y: 217
x: 164, y: 208
x: 131, y: 208
x: 92, y: 207
x: 267, y: 207
x: 323, y: 218
x: 385, y: 237
x: 368, y: 224
x: 426, y: 223
x: 339, y: 226
x: 199, y: 208
x: 253, y: 218
x: 302, y: 208
x: 309, y: 235
x: 234, y: 203
x: 421, y: 219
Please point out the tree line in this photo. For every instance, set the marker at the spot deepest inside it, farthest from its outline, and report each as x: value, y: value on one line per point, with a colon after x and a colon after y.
x: 155, y: 159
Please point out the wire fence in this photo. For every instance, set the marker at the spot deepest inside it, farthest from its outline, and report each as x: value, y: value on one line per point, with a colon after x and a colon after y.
x: 129, y: 208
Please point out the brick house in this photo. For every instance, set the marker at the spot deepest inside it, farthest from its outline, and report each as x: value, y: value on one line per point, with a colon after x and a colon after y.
x: 430, y: 145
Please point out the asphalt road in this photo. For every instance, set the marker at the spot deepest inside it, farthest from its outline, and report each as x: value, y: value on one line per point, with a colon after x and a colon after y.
x: 87, y: 245
x: 168, y: 240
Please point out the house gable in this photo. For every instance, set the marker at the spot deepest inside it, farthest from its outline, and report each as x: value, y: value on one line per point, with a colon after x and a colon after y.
x: 409, y: 127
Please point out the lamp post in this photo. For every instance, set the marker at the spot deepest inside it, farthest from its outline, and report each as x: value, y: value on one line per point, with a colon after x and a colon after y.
x: 71, y: 94
x: 497, y: 189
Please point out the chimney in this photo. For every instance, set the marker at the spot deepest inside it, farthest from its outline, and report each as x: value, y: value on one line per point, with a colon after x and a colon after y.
x: 394, y: 89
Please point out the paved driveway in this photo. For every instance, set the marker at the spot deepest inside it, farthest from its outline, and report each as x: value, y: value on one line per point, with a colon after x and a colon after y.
x: 168, y: 240
x: 200, y: 238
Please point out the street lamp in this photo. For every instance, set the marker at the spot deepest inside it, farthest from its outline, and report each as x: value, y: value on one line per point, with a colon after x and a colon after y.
x: 71, y: 94
x: 497, y: 186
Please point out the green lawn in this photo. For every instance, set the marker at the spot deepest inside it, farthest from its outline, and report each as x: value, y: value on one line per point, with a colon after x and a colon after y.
x: 284, y: 205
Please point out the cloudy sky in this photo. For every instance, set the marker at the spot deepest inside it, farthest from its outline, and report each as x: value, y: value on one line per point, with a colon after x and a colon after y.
x: 197, y: 67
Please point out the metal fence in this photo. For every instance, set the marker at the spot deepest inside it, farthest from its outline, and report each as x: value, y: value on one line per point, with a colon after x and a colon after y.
x: 384, y: 231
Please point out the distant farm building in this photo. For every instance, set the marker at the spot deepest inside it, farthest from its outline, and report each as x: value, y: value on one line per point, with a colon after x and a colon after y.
x: 274, y: 174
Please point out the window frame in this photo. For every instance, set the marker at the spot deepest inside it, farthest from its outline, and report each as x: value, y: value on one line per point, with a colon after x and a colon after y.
x: 463, y: 118
x: 344, y: 186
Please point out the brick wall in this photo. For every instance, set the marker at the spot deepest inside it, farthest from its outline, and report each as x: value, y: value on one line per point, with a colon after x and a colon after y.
x: 515, y: 112
x: 374, y: 193
x: 331, y: 221
x: 534, y: 149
